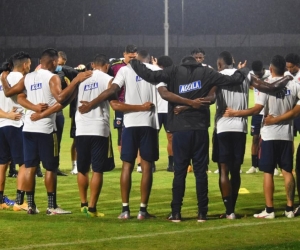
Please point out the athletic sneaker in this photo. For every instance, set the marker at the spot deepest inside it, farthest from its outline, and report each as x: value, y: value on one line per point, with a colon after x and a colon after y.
x: 144, y: 215
x: 4, y: 206
x: 265, y: 215
x: 84, y: 209
x: 57, y: 211
x: 124, y: 215
x: 276, y: 172
x: 175, y: 217
x: 216, y: 171
x: 289, y: 214
x: 297, y: 211
x: 32, y: 210
x: 139, y: 169
x: 94, y: 214
x: 230, y: 216
x: 201, y: 217
x: 8, y: 201
x: 252, y: 170
x: 22, y: 207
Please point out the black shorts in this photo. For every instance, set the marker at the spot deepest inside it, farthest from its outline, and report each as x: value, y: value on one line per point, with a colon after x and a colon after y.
x: 11, y: 145
x: 95, y: 150
x: 215, y: 147
x: 41, y: 147
x: 256, y: 124
x: 231, y: 147
x: 144, y: 139
x: 275, y: 152
x: 296, y: 126
x: 162, y: 120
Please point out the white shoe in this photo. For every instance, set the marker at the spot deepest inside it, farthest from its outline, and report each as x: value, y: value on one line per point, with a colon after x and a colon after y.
x: 264, y: 215
x: 57, y: 211
x: 216, y: 172
x: 139, y: 169
x: 241, y: 171
x: 74, y: 170
x: 252, y: 170
x: 231, y: 216
x: 289, y: 214
x: 297, y: 211
x: 208, y: 171
x: 276, y: 172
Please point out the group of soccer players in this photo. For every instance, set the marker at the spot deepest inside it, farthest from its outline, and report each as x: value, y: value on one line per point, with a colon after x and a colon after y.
x: 145, y: 94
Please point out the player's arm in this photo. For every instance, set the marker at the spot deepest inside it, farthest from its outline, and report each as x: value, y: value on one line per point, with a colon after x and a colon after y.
x: 62, y: 95
x: 154, y: 77
x: 291, y: 114
x: 124, y: 107
x: 12, y: 115
x: 11, y: 91
x: 22, y: 100
x: 110, y: 93
x: 243, y: 113
x: 49, y: 111
x: 266, y: 87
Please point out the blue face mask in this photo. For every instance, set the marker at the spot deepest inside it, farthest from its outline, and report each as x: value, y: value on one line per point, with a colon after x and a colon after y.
x: 58, y: 68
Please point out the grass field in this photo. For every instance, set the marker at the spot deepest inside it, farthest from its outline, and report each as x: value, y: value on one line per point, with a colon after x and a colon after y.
x: 75, y: 231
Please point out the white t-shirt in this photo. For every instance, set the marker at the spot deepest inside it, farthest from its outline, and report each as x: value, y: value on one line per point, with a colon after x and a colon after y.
x: 276, y: 106
x: 256, y: 91
x: 8, y: 103
x: 137, y: 92
x: 95, y: 122
x: 234, y: 97
x: 38, y: 91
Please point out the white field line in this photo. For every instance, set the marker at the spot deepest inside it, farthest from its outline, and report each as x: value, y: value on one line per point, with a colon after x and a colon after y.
x: 264, y: 222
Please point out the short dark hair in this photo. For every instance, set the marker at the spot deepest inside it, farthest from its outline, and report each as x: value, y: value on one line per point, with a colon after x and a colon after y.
x: 257, y: 65
x: 164, y: 61
x: 88, y: 66
x: 131, y: 48
x: 227, y: 57
x: 19, y: 58
x: 63, y: 55
x: 143, y: 54
x: 100, y: 59
x: 197, y: 50
x: 292, y: 58
x: 50, y: 53
x: 278, y: 64
x: 188, y: 59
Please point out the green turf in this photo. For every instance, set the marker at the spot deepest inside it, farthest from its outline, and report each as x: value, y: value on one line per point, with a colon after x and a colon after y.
x: 75, y: 231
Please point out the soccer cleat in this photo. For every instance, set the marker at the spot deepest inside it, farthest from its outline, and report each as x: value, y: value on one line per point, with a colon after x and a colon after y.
x: 297, y: 211
x: 139, y: 169
x: 175, y: 217
x: 276, y: 172
x: 289, y: 214
x: 252, y: 170
x: 22, y: 207
x: 201, y: 217
x: 94, y: 214
x: 84, y: 209
x: 4, y: 206
x: 231, y: 216
x: 60, y: 173
x: 170, y: 168
x: 216, y: 172
x: 32, y: 210
x: 8, y: 201
x: 190, y: 169
x: 124, y: 215
x: 57, y: 211
x: 144, y: 215
x: 264, y: 215
x: 74, y: 170
x: 13, y: 174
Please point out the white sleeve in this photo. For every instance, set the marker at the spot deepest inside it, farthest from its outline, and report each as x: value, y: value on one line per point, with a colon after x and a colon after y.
x: 161, y: 84
x: 120, y: 77
x: 261, y: 99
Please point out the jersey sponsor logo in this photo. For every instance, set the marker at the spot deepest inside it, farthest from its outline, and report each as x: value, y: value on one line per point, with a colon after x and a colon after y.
x: 190, y: 87
x: 138, y: 79
x: 281, y: 94
x: 91, y: 86
x: 36, y: 86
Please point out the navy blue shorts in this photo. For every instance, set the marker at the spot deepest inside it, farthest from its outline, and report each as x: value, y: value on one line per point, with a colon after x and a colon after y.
x: 256, y: 124
x: 143, y: 138
x: 231, y: 147
x: 11, y: 145
x: 162, y: 119
x: 41, y: 147
x: 296, y: 125
x: 275, y: 152
x: 95, y: 150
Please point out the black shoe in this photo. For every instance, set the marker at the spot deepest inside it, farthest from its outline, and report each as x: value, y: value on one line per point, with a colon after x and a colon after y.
x: 60, y: 173
x: 174, y: 217
x: 13, y: 174
x: 170, y: 168
x: 201, y: 217
x: 39, y: 173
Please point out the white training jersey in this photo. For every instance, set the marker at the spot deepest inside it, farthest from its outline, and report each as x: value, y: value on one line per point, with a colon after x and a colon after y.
x: 8, y: 103
x: 234, y: 97
x: 137, y: 92
x: 256, y: 91
x: 95, y: 122
x: 275, y: 106
x: 37, y: 89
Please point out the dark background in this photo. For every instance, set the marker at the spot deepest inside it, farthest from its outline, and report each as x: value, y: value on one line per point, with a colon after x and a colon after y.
x: 34, y: 25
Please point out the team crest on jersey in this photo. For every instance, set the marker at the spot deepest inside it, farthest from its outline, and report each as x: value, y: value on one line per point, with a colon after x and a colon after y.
x: 91, y: 86
x: 36, y: 86
x: 138, y: 79
x: 190, y: 87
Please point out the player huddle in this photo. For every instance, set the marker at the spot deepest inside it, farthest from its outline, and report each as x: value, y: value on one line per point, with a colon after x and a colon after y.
x: 145, y: 96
